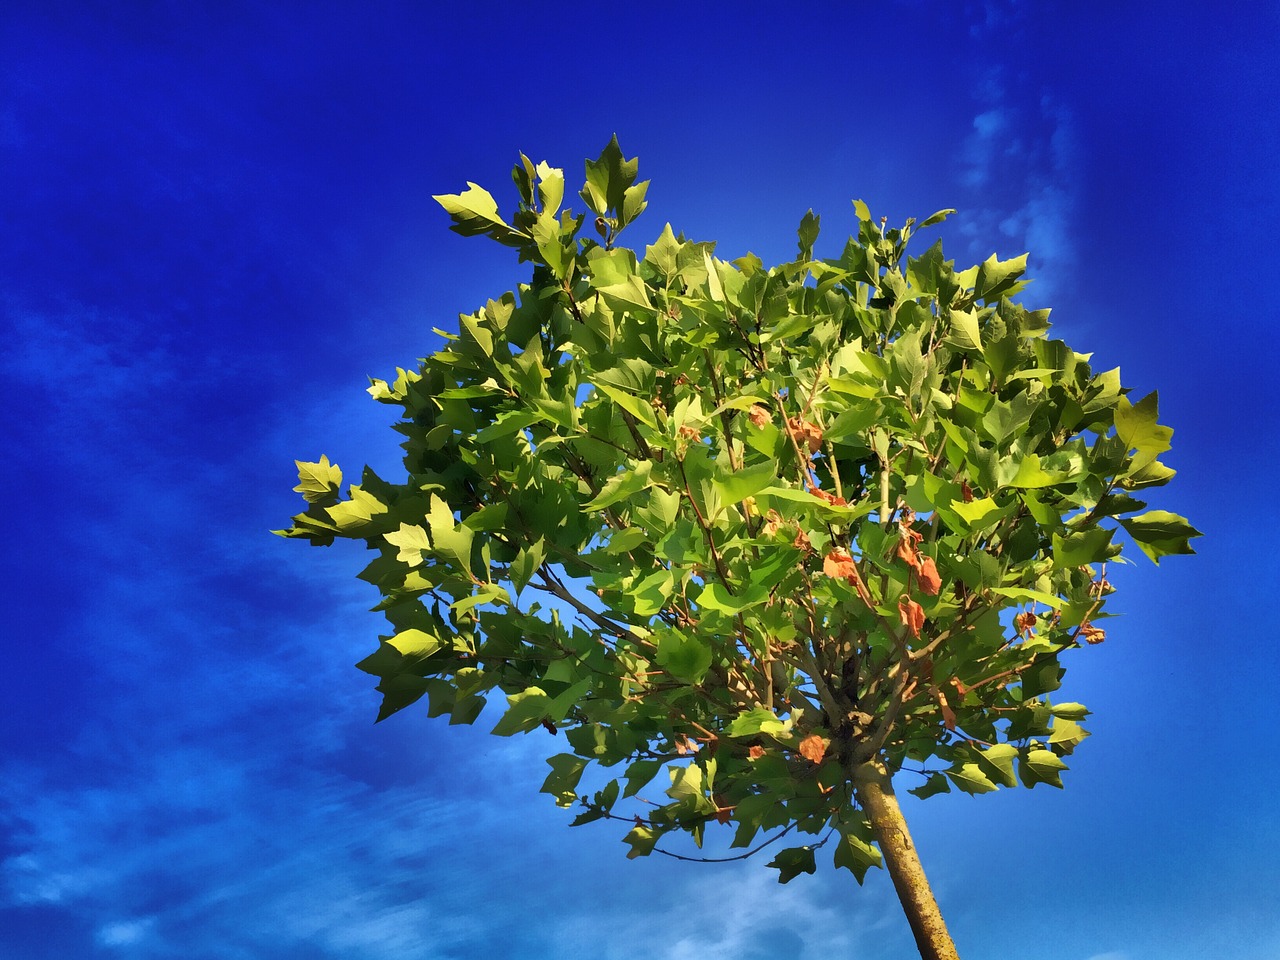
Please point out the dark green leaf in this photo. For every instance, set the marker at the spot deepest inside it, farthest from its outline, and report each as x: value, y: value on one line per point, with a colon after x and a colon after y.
x: 1161, y: 534
x: 792, y: 862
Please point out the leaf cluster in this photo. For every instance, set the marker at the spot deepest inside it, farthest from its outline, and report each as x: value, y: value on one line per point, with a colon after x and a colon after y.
x: 732, y: 531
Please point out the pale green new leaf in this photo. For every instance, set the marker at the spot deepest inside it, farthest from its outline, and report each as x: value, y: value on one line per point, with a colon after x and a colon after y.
x: 412, y: 541
x: 318, y: 482
x: 474, y: 212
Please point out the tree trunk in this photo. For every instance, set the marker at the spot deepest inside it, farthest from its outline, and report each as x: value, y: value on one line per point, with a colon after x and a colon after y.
x: 875, y: 795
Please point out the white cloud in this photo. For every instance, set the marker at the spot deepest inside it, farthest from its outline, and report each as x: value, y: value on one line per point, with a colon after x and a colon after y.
x: 123, y: 933
x: 1020, y: 165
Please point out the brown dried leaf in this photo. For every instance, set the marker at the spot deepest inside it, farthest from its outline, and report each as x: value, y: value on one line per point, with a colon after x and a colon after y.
x: 801, y: 542
x: 839, y: 564
x: 758, y: 415
x: 911, y: 614
x: 1091, y: 633
x: 813, y: 748
x: 1024, y: 621
x: 756, y: 752
x: 930, y: 581
x: 806, y: 433
x: 908, y: 552
x: 830, y: 498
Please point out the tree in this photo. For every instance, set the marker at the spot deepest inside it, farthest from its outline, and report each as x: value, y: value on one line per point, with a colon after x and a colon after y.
x: 768, y: 538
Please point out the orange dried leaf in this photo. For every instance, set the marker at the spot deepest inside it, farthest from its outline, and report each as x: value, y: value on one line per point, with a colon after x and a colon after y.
x: 758, y: 415
x: 907, y: 551
x: 802, y: 542
x: 1091, y: 633
x: 806, y: 433
x: 756, y: 752
x: 839, y: 564
x: 930, y: 581
x: 911, y: 614
x: 830, y: 498
x: 813, y: 748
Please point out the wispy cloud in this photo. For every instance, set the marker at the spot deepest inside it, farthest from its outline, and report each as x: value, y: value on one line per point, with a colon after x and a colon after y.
x: 1019, y: 164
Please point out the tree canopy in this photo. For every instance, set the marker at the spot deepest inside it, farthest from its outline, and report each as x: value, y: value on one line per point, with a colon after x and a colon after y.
x: 736, y: 535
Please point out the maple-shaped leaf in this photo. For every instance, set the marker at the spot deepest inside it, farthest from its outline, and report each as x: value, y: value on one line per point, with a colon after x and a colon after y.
x: 911, y: 614
x: 318, y: 482
x: 813, y: 748
x: 412, y: 541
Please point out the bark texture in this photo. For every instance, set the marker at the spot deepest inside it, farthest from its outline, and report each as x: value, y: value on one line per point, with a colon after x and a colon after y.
x: 875, y: 796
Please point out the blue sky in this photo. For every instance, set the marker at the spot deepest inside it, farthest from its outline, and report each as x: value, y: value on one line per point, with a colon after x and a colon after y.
x: 215, y: 224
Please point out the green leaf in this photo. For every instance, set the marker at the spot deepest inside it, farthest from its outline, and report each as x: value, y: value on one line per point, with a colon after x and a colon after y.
x: 641, y: 840
x: 621, y: 486
x: 1030, y: 475
x: 1082, y: 548
x: 525, y: 711
x: 938, y: 217
x: 964, y: 330
x: 318, y: 482
x: 399, y: 691
x: 997, y: 763
x: 608, y: 179
x: 451, y: 539
x: 486, y: 593
x: 808, y: 234
x: 415, y: 643
x: 935, y: 784
x: 683, y: 656
x: 639, y: 773
x: 970, y: 778
x: 664, y: 253
x: 475, y: 213
x: 526, y: 564
x: 856, y: 853
x: 632, y: 404
x: 998, y: 278
x: 1070, y: 711
x: 1066, y: 735
x: 792, y: 862
x: 716, y: 597
x: 1136, y: 425
x: 1026, y: 593
x: 1041, y: 766
x: 755, y: 721
x: 979, y: 513
x: 1160, y: 534
x: 412, y: 541
x: 747, y: 482
x: 652, y: 593
x: 562, y: 781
